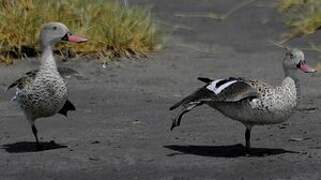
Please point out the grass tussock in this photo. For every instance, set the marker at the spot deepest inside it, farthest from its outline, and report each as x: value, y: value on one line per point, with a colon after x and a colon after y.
x: 303, y: 17
x: 112, y: 28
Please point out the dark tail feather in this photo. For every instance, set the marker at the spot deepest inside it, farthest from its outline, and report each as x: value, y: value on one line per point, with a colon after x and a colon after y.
x: 206, y: 80
x: 67, y: 107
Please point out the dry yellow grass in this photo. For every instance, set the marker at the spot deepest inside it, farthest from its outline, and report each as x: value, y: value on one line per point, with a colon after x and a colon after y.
x: 113, y: 29
x: 303, y: 17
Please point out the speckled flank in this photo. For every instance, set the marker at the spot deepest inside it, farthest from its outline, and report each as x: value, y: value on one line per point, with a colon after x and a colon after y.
x: 278, y: 102
x: 273, y: 105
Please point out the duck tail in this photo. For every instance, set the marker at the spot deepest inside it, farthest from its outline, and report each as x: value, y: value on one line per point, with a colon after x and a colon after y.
x: 205, y: 80
x: 68, y: 106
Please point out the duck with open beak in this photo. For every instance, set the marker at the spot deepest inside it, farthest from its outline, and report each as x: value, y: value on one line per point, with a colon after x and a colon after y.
x: 305, y: 67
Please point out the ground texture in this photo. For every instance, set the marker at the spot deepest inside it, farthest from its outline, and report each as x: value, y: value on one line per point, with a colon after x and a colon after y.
x: 121, y: 127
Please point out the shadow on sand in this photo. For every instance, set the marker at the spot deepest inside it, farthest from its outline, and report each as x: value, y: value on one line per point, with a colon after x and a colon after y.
x: 230, y: 151
x: 22, y: 147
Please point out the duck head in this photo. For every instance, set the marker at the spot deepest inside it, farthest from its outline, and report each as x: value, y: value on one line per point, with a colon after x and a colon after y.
x: 54, y: 32
x: 294, y: 60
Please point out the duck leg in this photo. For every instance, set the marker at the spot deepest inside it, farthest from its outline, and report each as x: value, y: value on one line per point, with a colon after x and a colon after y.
x: 177, y: 120
x: 35, y: 133
x: 247, y: 140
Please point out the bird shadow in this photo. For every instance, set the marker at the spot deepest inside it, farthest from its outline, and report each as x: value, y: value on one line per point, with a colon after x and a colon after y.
x: 230, y: 151
x: 23, y: 147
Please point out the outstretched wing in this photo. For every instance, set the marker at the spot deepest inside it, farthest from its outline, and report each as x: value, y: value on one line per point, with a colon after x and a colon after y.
x: 220, y: 90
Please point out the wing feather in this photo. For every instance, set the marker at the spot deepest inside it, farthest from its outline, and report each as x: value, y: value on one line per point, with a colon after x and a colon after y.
x: 230, y: 89
x: 25, y: 80
x: 29, y: 77
x: 221, y: 90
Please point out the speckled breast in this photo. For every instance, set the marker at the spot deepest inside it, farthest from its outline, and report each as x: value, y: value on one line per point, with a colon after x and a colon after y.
x: 45, y: 98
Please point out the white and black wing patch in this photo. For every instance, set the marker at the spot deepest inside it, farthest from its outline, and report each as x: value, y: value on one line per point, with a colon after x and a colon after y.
x: 221, y: 90
x: 229, y: 90
x: 219, y: 85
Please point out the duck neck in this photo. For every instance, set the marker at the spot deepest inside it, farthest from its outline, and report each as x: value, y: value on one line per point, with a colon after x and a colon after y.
x: 47, y: 59
x: 293, y: 75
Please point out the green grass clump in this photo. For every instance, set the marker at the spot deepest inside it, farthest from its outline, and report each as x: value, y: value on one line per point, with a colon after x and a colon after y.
x: 303, y: 17
x: 112, y: 28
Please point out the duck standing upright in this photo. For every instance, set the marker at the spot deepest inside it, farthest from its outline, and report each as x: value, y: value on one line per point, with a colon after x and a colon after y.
x: 251, y: 102
x: 43, y: 93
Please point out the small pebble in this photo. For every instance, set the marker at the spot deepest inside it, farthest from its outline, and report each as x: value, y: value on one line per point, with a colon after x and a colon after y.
x: 93, y: 159
x: 296, y: 139
x: 95, y: 142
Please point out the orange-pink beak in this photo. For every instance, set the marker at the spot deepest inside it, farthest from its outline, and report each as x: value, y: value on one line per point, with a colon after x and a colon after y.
x: 76, y: 39
x: 306, y: 68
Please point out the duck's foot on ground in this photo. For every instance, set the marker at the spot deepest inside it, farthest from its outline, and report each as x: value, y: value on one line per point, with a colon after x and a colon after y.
x: 39, y: 146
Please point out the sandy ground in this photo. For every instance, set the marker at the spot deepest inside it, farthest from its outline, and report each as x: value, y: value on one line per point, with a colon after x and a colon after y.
x: 121, y: 127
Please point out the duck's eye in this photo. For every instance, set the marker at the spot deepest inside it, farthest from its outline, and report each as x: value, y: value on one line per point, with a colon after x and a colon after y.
x: 291, y: 56
x: 54, y: 28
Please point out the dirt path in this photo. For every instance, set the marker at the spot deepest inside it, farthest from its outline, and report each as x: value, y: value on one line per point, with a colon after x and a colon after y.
x: 121, y: 127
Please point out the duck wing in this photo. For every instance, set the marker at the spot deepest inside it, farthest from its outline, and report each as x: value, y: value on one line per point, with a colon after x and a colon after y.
x: 29, y: 77
x: 221, y: 90
x: 25, y: 80
x: 230, y: 89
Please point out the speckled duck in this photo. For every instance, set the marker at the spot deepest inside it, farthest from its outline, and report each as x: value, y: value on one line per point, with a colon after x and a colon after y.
x: 251, y: 102
x: 43, y: 93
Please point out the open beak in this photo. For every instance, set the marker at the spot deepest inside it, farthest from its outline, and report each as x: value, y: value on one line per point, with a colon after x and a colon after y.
x: 306, y: 68
x: 74, y: 38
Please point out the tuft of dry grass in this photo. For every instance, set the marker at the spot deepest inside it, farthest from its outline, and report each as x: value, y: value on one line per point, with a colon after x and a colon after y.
x: 112, y: 28
x: 285, y: 5
x: 303, y: 17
